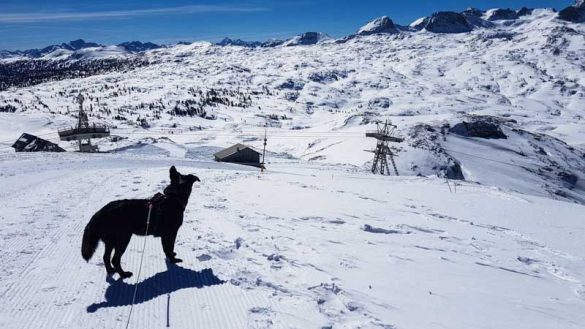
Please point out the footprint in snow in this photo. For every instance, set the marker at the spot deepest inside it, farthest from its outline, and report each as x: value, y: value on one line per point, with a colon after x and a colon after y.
x: 203, y: 258
x: 527, y: 260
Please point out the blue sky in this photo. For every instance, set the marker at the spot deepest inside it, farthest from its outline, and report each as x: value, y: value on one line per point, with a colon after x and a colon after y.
x: 37, y: 23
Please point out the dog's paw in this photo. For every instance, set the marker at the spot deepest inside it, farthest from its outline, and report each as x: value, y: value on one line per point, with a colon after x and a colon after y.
x: 175, y: 260
x: 125, y: 275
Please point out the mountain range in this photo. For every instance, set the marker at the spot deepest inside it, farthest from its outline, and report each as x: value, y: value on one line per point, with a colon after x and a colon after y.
x: 438, y: 22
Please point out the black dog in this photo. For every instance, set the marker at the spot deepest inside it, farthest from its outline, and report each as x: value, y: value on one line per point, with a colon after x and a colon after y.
x: 115, y: 223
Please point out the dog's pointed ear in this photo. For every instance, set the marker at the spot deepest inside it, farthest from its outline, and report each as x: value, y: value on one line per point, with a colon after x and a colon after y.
x: 196, y: 178
x: 174, y: 175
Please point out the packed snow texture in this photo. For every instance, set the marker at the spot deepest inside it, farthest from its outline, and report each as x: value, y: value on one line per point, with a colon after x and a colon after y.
x: 299, y: 246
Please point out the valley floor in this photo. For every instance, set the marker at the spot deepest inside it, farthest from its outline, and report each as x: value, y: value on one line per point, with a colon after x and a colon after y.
x: 300, y: 246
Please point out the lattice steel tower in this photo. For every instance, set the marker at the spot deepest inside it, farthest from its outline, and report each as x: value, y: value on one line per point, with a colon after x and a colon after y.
x: 384, y: 134
x: 84, y: 132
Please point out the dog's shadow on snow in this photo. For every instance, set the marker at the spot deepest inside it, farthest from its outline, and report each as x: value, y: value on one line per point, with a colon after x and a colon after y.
x: 120, y: 293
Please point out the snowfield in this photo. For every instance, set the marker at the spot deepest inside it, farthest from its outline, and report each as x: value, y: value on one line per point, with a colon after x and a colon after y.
x: 483, y: 229
x: 318, y: 100
x: 296, y: 247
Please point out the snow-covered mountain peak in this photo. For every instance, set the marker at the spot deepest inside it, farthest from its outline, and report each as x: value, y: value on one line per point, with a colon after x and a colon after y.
x: 379, y: 25
x: 308, y: 38
x: 575, y: 13
x: 79, y: 44
x: 445, y: 22
x: 137, y: 46
x: 501, y: 14
x: 237, y: 42
x: 78, y: 49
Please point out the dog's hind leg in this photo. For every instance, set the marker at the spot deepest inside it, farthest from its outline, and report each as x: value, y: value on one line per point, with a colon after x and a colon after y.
x: 107, y: 257
x: 119, y: 250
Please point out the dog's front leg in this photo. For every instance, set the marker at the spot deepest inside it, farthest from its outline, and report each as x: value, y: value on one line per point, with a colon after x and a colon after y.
x: 168, y: 245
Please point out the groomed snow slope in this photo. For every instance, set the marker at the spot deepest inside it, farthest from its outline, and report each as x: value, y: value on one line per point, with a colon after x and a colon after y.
x: 296, y: 247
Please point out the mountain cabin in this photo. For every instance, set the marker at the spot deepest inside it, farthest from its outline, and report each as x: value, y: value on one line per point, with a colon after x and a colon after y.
x: 239, y: 153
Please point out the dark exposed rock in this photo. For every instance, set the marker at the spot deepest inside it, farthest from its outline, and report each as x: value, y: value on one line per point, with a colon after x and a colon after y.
x: 447, y: 22
x: 379, y: 25
x: 327, y: 76
x: 79, y: 44
x: 502, y: 14
x: 419, y: 24
x: 252, y: 44
x: 573, y: 14
x: 238, y: 42
x: 453, y: 171
x: 380, y: 102
x: 307, y: 38
x: 474, y: 18
x: 524, y: 11
x: 569, y: 178
x: 272, y: 43
x: 291, y: 84
x: 137, y: 46
x: 481, y: 127
x: 473, y: 12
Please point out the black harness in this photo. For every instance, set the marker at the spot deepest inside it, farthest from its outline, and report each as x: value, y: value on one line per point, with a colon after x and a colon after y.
x: 156, y: 203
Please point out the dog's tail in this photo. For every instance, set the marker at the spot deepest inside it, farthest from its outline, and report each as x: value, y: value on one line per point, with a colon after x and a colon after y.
x: 90, y: 241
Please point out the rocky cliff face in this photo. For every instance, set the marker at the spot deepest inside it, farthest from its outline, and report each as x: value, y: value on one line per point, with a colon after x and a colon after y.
x: 446, y: 22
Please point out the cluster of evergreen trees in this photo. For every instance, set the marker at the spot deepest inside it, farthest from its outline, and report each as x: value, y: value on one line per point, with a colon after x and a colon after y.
x: 24, y: 73
x: 210, y: 98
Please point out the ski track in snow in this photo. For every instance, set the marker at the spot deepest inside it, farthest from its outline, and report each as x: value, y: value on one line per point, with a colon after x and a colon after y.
x: 288, y: 249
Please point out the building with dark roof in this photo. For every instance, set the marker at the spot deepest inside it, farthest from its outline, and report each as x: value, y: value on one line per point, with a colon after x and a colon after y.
x: 31, y: 143
x: 239, y: 153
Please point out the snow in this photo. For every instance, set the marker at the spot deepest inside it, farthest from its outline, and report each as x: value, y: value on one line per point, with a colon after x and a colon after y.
x: 361, y: 251
x: 379, y: 25
x: 307, y: 38
x: 332, y: 92
x: 316, y: 241
x: 418, y: 22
